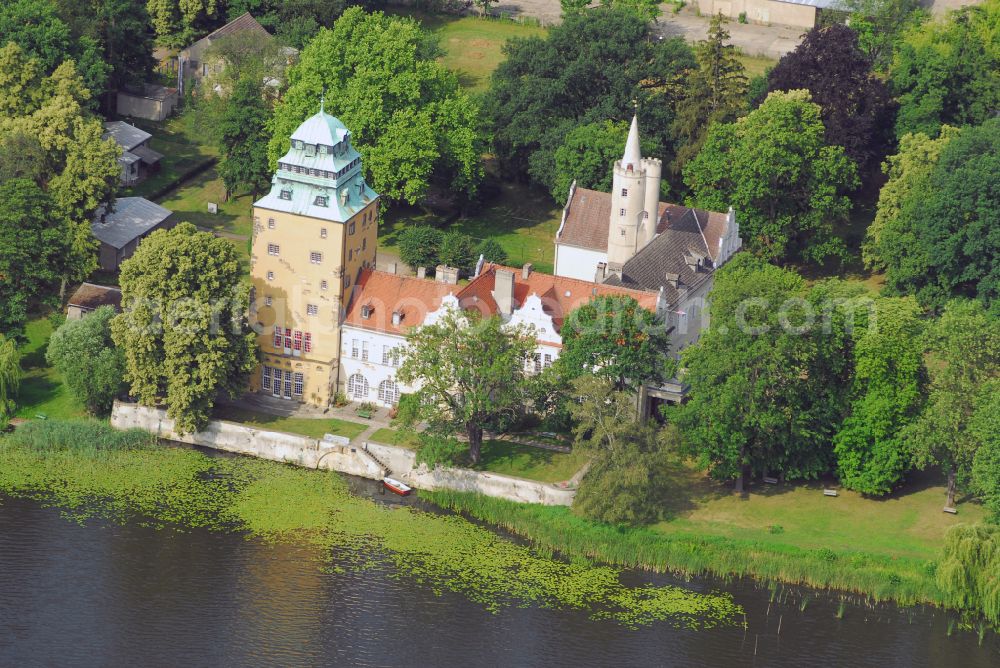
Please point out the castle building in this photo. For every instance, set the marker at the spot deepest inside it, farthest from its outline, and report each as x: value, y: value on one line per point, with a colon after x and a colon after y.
x: 629, y: 238
x: 313, y: 233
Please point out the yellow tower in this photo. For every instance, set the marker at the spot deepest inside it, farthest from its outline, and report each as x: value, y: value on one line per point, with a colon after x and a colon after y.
x: 312, y: 234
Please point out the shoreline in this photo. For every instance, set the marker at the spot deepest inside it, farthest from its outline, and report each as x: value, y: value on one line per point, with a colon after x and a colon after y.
x: 880, y: 578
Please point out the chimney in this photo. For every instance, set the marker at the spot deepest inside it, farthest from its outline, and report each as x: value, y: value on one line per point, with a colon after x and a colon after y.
x: 392, y: 267
x: 672, y: 279
x: 526, y: 271
x: 421, y: 272
x: 439, y: 273
x: 503, y: 291
x: 445, y: 274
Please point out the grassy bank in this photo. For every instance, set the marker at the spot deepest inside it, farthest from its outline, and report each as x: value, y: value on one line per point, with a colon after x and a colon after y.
x: 42, y: 391
x: 526, y: 461
x: 130, y: 478
x: 883, y: 549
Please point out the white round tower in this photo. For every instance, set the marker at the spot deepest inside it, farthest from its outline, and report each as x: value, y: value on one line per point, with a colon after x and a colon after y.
x: 628, y: 199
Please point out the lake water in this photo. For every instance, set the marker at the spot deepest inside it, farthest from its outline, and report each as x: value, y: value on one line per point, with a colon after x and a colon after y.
x: 110, y: 595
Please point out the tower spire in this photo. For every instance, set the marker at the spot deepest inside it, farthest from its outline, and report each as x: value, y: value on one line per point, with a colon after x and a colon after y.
x: 632, y: 156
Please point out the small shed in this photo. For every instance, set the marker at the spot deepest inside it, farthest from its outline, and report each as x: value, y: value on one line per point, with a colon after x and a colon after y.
x: 121, y: 229
x: 153, y: 102
x: 794, y: 13
x: 90, y: 297
x: 138, y: 160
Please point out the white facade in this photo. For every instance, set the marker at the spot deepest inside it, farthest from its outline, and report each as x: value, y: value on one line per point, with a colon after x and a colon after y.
x: 579, y: 263
x: 369, y: 362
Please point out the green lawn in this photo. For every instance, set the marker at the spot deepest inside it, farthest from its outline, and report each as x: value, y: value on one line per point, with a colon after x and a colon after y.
x: 396, y: 437
x: 185, y: 143
x: 525, y: 461
x: 756, y: 64
x: 523, y: 220
x: 472, y: 45
x: 311, y: 427
x: 909, y: 523
x: 42, y: 390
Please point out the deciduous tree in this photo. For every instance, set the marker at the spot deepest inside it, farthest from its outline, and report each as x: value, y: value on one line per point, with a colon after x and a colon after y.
x: 880, y: 24
x: 33, y: 247
x: 613, y: 337
x: 420, y: 246
x: 944, y: 243
x: 411, y: 122
x: 964, y: 366
x: 179, y: 22
x: 491, y: 250
x: 967, y: 571
x: 10, y: 378
x: 766, y: 377
x: 243, y: 139
x: 857, y: 110
x: 586, y: 155
x: 591, y: 68
x: 947, y: 71
x: 887, y: 394
x: 84, y: 354
x: 985, y: 428
x: 471, y: 374
x: 775, y: 168
x: 184, y: 330
x: 458, y: 250
x: 909, y: 173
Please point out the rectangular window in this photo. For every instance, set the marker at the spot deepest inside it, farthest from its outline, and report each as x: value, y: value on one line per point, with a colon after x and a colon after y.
x: 312, y: 309
x: 307, y: 342
x: 297, y: 341
x: 266, y: 384
x: 298, y: 383
x: 364, y: 350
x: 321, y: 200
x: 323, y: 285
x: 347, y: 282
x: 548, y: 360
x: 538, y: 362
x: 354, y: 348
x: 316, y: 257
x: 386, y: 354
x: 288, y: 338
x: 350, y: 253
x: 288, y: 384
x: 350, y: 228
x: 267, y: 300
x: 322, y: 233
x: 273, y: 249
x: 278, y: 339
x: 624, y: 192
x: 364, y: 244
x: 621, y: 212
x: 270, y: 223
x: 270, y: 275
x: 286, y: 194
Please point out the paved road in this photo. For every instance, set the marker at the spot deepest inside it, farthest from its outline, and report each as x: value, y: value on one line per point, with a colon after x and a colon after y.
x: 755, y: 40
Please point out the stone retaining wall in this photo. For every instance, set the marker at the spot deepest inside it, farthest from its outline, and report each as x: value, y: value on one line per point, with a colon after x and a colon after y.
x: 338, y: 456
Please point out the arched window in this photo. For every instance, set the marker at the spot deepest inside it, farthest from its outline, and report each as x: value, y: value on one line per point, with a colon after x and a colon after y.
x: 388, y: 392
x: 357, y: 386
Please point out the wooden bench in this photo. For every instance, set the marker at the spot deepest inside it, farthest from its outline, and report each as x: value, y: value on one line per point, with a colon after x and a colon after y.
x: 365, y: 413
x: 829, y: 492
x: 770, y: 481
x: 949, y: 509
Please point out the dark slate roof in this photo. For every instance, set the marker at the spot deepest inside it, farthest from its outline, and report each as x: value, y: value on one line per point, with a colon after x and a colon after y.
x: 125, y: 135
x: 131, y: 218
x: 681, y: 240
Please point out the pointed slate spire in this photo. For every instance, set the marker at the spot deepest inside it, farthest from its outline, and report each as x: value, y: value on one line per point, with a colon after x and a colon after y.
x: 632, y: 155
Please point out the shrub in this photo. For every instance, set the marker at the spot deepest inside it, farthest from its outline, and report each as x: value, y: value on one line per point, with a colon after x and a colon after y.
x: 458, y: 250
x: 436, y: 451
x: 420, y: 246
x: 86, y: 357
x: 492, y: 251
x: 742, y: 17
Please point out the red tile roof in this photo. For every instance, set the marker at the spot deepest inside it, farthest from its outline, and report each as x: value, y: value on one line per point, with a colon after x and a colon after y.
x: 385, y: 293
x: 559, y: 294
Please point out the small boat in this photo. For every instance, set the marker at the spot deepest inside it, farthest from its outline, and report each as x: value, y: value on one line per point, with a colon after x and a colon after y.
x: 396, y: 486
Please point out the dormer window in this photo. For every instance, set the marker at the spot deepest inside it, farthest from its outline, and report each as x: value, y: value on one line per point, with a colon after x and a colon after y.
x: 286, y: 194
x: 397, y: 317
x: 366, y: 311
x: 298, y: 144
x: 310, y: 150
x: 322, y: 149
x: 322, y: 200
